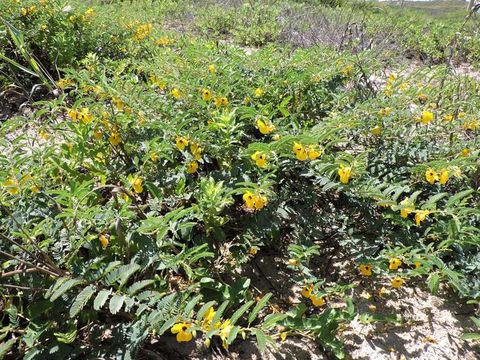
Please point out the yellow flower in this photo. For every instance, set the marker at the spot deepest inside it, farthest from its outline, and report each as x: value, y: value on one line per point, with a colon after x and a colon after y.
x: 84, y: 115
x: 181, y: 329
x: 431, y: 176
x: 383, y: 291
x: 254, y: 201
x: 175, y: 93
x: 344, y: 172
x: 260, y: 159
x: 207, y: 319
x: 212, y: 69
x: 461, y: 115
x: 365, y: 269
x: 115, y: 138
x: 447, y: 118
x: 265, y: 127
x: 385, y: 111
x: 260, y: 202
x: 465, y: 152
x: 142, y: 32
x: 164, y: 41
x: 249, y: 199
x: 427, y: 117
x: 443, y: 176
x: 293, y: 262
x: 313, y: 153
x: 156, y: 81
x: 421, y: 215
x: 225, y: 330
x: 377, y: 130
x: 317, y: 300
x: 403, y: 86
x: 299, y: 151
x: 89, y: 12
x: 417, y: 264
x: 181, y: 143
x: 394, y: 263
x: 347, y: 70
x: 258, y: 92
x: 97, y: 134
x: 72, y: 114
x: 118, y: 103
x: 44, y: 135
x: 103, y: 240
x: 11, y: 186
x: 206, y: 94
x: 221, y: 101
x: 283, y: 336
x: 397, y: 282
x: 422, y: 97
x: 196, y: 150
x: 137, y: 185
x: 63, y: 83
x: 192, y: 167
x: 253, y: 251
x: 307, y: 291
x: 154, y: 157
x: 471, y: 125
x: 408, y: 209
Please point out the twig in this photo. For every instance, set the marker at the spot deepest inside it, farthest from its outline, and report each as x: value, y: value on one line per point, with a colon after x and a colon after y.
x: 18, y: 271
x: 22, y: 287
x: 49, y: 262
x: 28, y: 263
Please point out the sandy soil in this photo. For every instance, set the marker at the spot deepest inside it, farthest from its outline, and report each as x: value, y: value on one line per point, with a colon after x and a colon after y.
x: 428, y: 326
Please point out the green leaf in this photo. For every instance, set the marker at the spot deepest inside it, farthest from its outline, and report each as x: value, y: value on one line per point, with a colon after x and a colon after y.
x: 203, y: 310
x: 433, y: 200
x: 219, y: 312
x: 55, y: 286
x: 233, y: 335
x: 6, y: 346
x: 191, y: 304
x: 126, y: 272
x: 476, y: 321
x: 116, y: 303
x: 258, y: 307
x: 139, y: 285
x: 167, y: 325
x: 261, y: 340
x: 457, y: 197
x: 67, y: 285
x: 101, y: 298
x: 471, y: 336
x: 67, y: 337
x: 272, y: 319
x: 433, y: 282
x: 238, y: 314
x: 82, y: 299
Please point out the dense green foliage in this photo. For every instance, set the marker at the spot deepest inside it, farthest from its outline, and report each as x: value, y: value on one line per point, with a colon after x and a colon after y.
x: 177, y: 144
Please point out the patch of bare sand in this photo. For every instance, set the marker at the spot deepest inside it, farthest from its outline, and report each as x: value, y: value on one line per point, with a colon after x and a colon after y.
x: 429, y: 326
